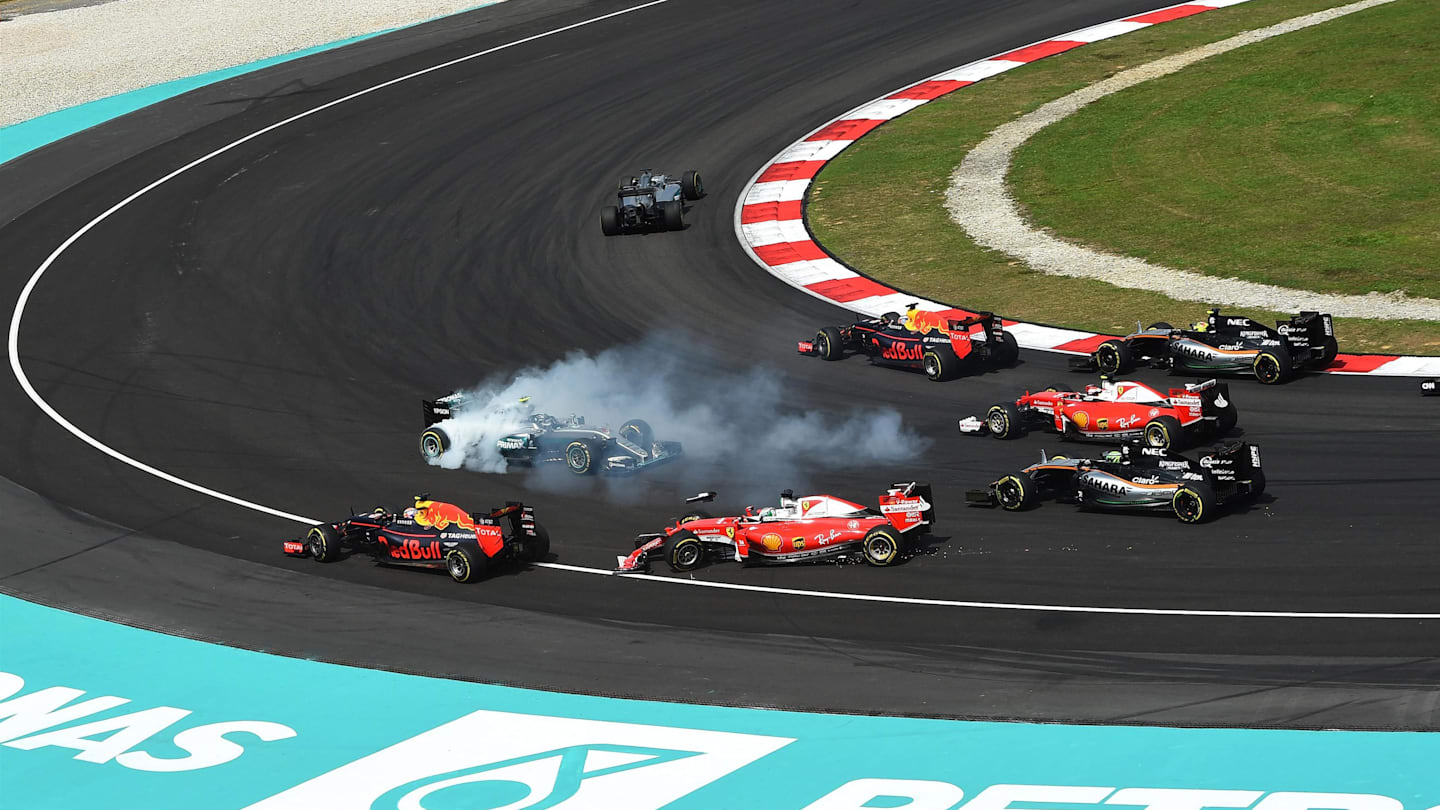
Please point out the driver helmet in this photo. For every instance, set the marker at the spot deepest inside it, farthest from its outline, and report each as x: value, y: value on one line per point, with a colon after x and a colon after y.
x: 410, y: 513
x: 767, y: 512
x: 1114, y: 455
x: 1199, y: 326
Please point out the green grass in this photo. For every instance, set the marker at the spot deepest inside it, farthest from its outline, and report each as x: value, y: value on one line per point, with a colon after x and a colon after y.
x: 909, y: 241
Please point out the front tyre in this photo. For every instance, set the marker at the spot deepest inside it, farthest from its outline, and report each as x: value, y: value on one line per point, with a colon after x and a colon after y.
x: 1165, y: 433
x: 580, y: 457
x: 1114, y: 357
x: 683, y: 551
x: 1272, y: 367
x: 638, y: 432
x: 881, y: 546
x: 1016, y: 491
x: 1003, y: 420
x: 323, y: 541
x: 460, y: 565
x: 434, y: 442
x: 691, y: 186
x: 1194, y: 503
x: 828, y: 344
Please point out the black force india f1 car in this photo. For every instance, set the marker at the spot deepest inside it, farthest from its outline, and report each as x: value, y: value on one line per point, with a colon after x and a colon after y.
x: 805, y: 529
x: 651, y: 201
x: 1135, y: 477
x: 431, y: 534
x: 1223, y: 344
x: 542, y: 438
x: 942, y: 344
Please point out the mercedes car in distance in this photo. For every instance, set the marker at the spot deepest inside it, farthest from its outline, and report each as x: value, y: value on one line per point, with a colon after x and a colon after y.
x: 1116, y: 412
x: 431, y: 534
x: 651, y: 201
x: 942, y: 344
x: 1222, y: 344
x: 805, y: 529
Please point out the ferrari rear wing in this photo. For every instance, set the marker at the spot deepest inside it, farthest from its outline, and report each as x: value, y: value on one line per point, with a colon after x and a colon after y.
x: 909, y: 506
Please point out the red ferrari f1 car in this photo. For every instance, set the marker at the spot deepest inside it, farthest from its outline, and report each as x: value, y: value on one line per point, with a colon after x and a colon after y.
x: 942, y: 344
x: 798, y: 530
x: 431, y: 534
x: 1117, y: 411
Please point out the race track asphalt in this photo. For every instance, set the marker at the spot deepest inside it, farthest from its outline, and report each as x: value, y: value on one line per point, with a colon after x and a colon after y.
x: 266, y: 323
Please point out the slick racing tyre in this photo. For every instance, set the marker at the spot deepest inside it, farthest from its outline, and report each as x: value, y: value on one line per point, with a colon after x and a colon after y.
x: 434, y: 442
x: 537, y: 548
x: 1016, y: 491
x: 581, y: 457
x: 460, y: 565
x: 610, y: 220
x: 881, y: 546
x: 1226, y: 420
x: 1272, y: 367
x: 1165, y: 433
x: 1194, y: 503
x: 1114, y: 357
x: 1007, y: 351
x: 683, y: 551
x: 323, y: 543
x: 1159, y: 325
x: 1257, y: 483
x: 939, y: 365
x: 1003, y: 420
x: 1329, y: 351
x: 638, y: 433
x: 691, y: 517
x: 691, y: 187
x: 674, y: 215
x: 828, y: 344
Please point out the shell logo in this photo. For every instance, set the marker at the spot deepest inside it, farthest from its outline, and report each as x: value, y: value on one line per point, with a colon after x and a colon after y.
x: 1081, y: 419
x: 772, y: 541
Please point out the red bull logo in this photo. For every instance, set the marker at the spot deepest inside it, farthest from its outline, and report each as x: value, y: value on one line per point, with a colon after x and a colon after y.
x: 919, y: 320
x: 902, y: 351
x: 441, y: 516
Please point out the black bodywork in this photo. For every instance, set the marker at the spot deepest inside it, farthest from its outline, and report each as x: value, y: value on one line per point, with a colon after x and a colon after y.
x: 432, y: 534
x: 962, y: 345
x: 651, y: 201
x: 1225, y: 344
x: 1135, y: 478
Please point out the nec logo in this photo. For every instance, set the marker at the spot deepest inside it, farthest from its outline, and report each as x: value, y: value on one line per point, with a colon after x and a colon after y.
x: 511, y: 761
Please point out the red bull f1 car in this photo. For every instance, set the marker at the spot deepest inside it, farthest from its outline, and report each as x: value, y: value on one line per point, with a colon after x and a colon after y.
x: 1135, y: 478
x: 1116, y: 411
x: 942, y: 344
x: 651, y: 201
x: 431, y: 534
x: 1223, y: 344
x: 807, y: 529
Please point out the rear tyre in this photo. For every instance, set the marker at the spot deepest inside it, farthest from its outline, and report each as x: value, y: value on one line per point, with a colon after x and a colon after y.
x: 1007, y: 351
x: 1016, y: 491
x: 1257, y: 483
x: 1329, y: 351
x: 1160, y: 325
x: 323, y: 541
x: 638, y: 432
x: 829, y: 344
x: 1114, y: 357
x: 580, y: 457
x: 1004, y: 421
x: 460, y: 565
x: 690, y: 517
x: 1226, y: 420
x: 1165, y: 433
x: 674, y: 215
x: 881, y: 546
x: 610, y: 220
x: 537, y: 548
x: 691, y: 186
x: 1194, y: 503
x: 434, y: 442
x: 1272, y: 367
x: 939, y: 365
x: 683, y: 551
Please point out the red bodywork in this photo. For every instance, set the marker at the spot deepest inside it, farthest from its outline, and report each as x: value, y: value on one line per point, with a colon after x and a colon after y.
x: 1117, y: 413
x: 812, y: 527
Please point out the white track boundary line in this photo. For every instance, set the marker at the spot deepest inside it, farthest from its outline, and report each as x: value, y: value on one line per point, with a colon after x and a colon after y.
x: 13, y: 347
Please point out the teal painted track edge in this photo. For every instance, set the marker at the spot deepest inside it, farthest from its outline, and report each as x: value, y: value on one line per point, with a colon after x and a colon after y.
x: 27, y: 136
x: 326, y: 735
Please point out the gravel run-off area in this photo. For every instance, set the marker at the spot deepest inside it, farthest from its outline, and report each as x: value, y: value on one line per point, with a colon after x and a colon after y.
x: 980, y: 202
x: 63, y: 58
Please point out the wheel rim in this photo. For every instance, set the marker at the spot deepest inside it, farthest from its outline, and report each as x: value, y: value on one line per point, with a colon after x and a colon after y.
x: 880, y: 547
x: 578, y: 458
x: 1187, y: 506
x: 687, y: 554
x: 457, y: 567
x: 824, y: 342
x: 1155, y: 437
x: 999, y: 422
x: 932, y: 366
x: 1008, y: 492
x: 430, y: 445
x: 1107, y: 358
x: 317, y: 545
x: 1266, y: 368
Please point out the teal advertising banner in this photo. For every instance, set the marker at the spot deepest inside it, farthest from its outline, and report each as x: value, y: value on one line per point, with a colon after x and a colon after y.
x: 94, y: 714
